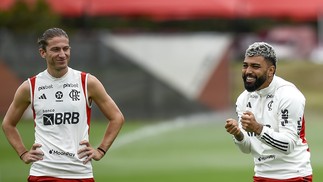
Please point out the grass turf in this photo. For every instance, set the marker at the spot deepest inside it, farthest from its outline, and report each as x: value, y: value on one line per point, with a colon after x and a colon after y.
x: 201, y: 152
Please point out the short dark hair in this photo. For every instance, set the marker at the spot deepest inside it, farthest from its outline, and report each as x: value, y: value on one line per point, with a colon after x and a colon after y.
x: 49, y: 34
x: 262, y: 49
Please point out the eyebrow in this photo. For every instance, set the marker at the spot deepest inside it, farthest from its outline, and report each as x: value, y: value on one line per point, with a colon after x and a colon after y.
x: 58, y: 47
x: 251, y: 63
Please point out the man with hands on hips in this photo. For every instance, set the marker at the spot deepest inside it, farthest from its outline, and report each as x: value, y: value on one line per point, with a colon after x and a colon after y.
x: 61, y: 99
x: 271, y: 122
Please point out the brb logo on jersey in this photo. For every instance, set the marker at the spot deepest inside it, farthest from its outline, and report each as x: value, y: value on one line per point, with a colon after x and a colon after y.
x: 61, y: 118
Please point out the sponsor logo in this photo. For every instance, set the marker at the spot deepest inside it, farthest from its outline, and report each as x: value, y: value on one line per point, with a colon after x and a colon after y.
x: 43, y: 96
x: 299, y: 126
x: 45, y: 87
x: 254, y: 96
x: 61, y: 118
x: 48, y: 110
x: 55, y: 152
x: 284, y: 117
x: 263, y: 158
x: 269, y: 96
x: 59, y: 96
x: 71, y: 85
x: 74, y: 95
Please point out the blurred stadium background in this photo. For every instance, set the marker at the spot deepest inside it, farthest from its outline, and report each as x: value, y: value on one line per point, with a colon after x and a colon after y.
x: 173, y: 67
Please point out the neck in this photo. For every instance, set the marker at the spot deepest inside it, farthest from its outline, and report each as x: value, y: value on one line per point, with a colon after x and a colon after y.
x: 57, y: 73
x: 267, y: 83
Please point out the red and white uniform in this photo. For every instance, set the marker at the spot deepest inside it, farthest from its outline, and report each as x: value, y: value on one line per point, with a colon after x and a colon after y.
x: 61, y: 113
x: 281, y: 150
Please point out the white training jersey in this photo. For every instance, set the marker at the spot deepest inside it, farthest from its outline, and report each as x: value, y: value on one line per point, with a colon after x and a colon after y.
x: 61, y: 114
x: 281, y: 150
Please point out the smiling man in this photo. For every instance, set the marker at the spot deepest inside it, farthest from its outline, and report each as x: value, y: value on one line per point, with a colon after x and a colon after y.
x: 61, y: 100
x: 271, y: 123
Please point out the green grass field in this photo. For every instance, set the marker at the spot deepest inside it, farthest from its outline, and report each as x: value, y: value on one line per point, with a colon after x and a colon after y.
x: 183, y: 150
x: 201, y: 151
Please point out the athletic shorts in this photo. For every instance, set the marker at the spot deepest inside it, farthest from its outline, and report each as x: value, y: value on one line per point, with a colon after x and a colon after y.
x: 298, y: 179
x: 52, y: 179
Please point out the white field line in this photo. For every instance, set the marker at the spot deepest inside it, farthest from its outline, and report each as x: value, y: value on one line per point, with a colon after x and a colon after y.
x: 166, y: 126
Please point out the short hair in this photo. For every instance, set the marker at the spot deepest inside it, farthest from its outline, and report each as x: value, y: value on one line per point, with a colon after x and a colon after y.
x: 262, y: 49
x: 49, y: 34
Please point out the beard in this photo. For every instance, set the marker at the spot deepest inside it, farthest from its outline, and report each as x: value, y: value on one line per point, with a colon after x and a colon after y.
x: 253, y: 86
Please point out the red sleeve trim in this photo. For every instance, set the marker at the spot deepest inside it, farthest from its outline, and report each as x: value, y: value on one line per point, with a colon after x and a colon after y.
x: 33, y: 85
x: 88, y: 109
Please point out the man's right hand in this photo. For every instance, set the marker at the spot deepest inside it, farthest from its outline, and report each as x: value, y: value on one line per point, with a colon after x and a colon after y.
x: 33, y: 155
x: 232, y: 127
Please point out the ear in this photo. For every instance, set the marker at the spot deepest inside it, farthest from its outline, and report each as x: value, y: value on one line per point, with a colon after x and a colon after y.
x: 42, y: 52
x: 271, y: 70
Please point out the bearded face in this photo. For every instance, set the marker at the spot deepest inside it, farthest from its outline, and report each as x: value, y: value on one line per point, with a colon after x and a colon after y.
x: 259, y: 66
x: 253, y: 82
x: 255, y: 72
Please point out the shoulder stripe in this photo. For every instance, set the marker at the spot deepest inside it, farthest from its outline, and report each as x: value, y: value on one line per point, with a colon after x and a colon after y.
x: 84, y: 87
x: 32, y: 81
x: 302, y: 133
x: 83, y: 77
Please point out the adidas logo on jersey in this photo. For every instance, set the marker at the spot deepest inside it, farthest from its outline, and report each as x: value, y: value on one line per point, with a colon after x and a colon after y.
x: 43, y: 96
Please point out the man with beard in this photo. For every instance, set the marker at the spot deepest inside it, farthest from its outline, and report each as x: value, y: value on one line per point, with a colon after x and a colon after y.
x: 271, y: 123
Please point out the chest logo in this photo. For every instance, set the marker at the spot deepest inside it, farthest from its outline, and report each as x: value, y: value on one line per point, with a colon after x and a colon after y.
x: 74, y: 95
x: 270, y: 105
x: 249, y: 105
x: 59, y: 95
x: 43, y: 96
x: 61, y: 118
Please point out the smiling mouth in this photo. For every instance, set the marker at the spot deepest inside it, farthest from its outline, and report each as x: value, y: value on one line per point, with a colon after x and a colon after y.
x: 250, y: 79
x: 61, y: 61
